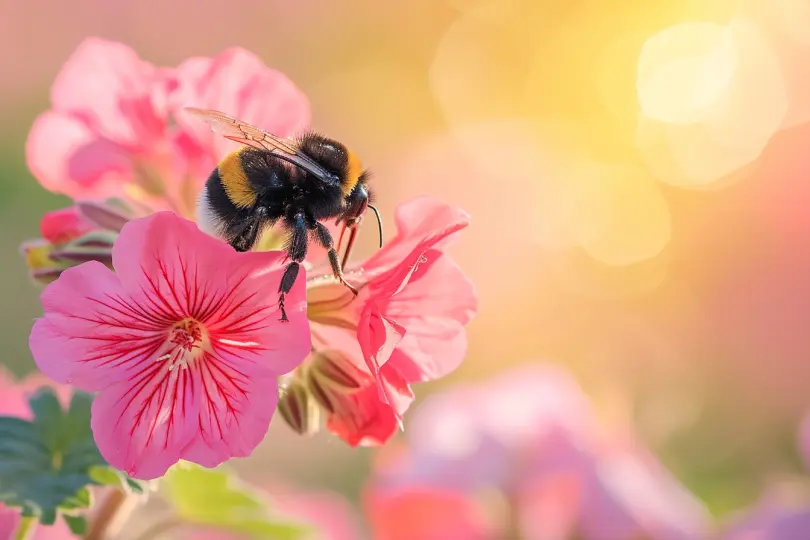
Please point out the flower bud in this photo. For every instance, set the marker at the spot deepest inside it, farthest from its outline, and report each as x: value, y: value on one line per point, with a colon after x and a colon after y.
x: 42, y: 268
x: 298, y: 408
x: 62, y: 226
x: 111, y: 215
x: 93, y: 246
x: 46, y: 260
x: 336, y: 369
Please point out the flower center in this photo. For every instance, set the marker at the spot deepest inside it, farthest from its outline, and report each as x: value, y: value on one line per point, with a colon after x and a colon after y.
x: 187, y: 340
x: 330, y: 302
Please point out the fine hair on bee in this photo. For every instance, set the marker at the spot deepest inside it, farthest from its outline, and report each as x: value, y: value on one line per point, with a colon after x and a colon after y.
x: 296, y: 183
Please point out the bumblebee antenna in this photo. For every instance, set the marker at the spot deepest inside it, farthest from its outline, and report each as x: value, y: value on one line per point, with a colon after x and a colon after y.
x: 379, y: 223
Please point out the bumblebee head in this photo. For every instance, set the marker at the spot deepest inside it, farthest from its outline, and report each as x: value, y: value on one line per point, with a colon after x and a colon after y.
x: 335, y: 158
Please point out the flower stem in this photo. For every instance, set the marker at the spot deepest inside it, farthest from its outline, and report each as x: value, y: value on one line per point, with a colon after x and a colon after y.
x: 25, y: 530
x: 158, y: 528
x: 109, y: 517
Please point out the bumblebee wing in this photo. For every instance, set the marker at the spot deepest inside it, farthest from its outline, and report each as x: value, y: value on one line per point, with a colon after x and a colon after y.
x: 244, y: 133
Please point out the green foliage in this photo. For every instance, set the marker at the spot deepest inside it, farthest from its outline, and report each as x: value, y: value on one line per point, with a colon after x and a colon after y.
x: 77, y: 524
x: 214, y: 498
x: 47, y: 464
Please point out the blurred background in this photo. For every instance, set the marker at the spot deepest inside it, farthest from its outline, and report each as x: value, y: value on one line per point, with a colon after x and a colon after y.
x: 636, y: 170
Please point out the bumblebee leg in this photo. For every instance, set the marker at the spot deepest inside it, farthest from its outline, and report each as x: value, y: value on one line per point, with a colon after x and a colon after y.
x: 327, y: 242
x: 297, y: 251
x: 247, y: 235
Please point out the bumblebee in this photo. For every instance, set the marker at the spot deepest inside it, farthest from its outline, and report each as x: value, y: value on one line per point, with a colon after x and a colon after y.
x: 296, y: 183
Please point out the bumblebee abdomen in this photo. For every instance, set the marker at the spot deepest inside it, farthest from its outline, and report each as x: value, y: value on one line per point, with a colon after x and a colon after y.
x: 235, y: 180
x: 215, y: 209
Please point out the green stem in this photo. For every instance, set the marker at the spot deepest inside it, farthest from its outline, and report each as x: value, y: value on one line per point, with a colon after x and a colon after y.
x: 25, y: 529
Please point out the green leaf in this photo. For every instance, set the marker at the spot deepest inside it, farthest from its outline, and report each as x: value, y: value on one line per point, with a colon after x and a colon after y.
x: 46, y: 464
x: 77, y: 524
x: 214, y: 498
x: 110, y: 476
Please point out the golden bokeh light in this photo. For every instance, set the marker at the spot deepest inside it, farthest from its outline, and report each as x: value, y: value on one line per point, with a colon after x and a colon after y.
x: 685, y: 70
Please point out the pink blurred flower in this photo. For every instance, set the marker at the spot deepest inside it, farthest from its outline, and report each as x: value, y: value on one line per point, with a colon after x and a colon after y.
x: 773, y: 517
x: 427, y: 513
x: 10, y: 520
x: 406, y: 326
x: 178, y: 343
x: 114, y: 129
x: 531, y: 436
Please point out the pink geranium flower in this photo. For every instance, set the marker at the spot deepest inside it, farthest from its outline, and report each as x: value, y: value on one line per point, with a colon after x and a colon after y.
x: 406, y: 326
x: 531, y: 438
x: 114, y: 129
x: 180, y: 344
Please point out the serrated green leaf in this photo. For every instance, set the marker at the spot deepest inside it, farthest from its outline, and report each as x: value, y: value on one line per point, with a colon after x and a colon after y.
x: 45, y: 464
x: 215, y: 498
x: 77, y: 524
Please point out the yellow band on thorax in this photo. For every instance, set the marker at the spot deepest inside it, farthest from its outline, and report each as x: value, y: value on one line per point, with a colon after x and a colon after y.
x: 354, y: 170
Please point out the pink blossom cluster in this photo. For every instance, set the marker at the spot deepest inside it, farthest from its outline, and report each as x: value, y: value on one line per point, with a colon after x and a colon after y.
x: 523, y: 456
x: 174, y: 330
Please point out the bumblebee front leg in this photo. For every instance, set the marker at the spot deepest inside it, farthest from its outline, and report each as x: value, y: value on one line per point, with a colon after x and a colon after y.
x: 325, y: 239
x: 297, y: 251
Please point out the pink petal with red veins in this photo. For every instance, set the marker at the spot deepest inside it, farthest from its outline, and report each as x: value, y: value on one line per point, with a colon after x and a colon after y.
x: 238, y: 402
x: 91, y: 335
x: 182, y: 272
x: 239, y: 84
x: 67, y: 157
x: 111, y: 86
x: 143, y: 424
x: 166, y: 258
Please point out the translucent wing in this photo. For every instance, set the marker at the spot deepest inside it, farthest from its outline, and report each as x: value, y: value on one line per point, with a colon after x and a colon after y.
x: 241, y: 132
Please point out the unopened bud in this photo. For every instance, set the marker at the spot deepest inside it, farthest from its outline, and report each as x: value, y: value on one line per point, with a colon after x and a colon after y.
x: 65, y: 225
x: 321, y: 393
x: 336, y: 369
x: 41, y: 265
x: 110, y: 215
x: 298, y: 408
x: 94, y: 246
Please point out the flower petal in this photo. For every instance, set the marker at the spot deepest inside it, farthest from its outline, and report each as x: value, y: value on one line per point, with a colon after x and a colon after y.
x: 66, y: 156
x: 378, y: 336
x: 161, y: 255
x: 239, y: 84
x: 238, y: 399
x: 111, y: 87
x: 434, y: 318
x: 143, y: 424
x: 90, y: 336
x: 422, y: 223
x: 361, y: 419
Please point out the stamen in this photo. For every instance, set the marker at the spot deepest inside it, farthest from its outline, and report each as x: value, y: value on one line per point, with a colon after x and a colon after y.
x: 187, y: 340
